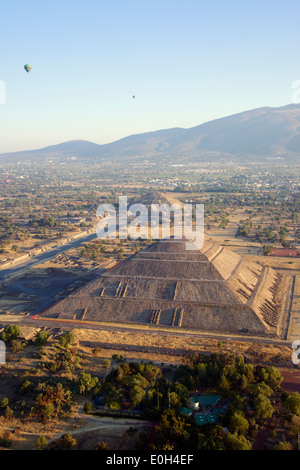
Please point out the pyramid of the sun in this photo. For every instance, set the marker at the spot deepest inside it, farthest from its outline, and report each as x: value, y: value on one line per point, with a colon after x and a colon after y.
x: 211, y: 289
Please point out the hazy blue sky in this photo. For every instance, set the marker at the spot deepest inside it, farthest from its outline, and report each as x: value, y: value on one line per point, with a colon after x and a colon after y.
x: 186, y: 62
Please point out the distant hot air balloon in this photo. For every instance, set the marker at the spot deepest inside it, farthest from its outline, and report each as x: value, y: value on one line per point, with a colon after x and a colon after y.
x: 133, y: 96
x: 27, y: 67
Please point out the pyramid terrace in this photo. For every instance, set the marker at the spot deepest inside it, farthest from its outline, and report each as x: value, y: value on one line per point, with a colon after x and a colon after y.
x: 211, y: 289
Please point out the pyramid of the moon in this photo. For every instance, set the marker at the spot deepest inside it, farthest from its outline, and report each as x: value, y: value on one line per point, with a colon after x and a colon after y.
x: 211, y: 289
x: 156, y: 197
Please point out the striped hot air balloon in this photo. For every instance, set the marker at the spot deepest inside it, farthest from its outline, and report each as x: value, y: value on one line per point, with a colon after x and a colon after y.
x: 27, y: 67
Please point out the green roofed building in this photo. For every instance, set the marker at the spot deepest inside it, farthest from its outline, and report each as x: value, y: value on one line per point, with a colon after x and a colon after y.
x: 186, y: 411
x: 202, y: 408
x: 203, y: 401
x: 208, y: 417
x: 204, y: 419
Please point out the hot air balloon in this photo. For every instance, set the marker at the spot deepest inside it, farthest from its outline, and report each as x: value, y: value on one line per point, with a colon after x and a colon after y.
x: 133, y: 96
x: 27, y: 67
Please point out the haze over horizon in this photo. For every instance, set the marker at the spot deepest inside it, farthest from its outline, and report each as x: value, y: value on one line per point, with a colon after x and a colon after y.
x: 255, y: 135
x: 186, y: 63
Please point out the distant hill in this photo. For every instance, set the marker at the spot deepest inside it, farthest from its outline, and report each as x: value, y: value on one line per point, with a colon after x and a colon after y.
x: 73, y: 148
x: 257, y: 134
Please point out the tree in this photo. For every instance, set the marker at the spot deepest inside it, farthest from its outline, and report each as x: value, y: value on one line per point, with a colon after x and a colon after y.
x: 4, y: 402
x: 102, y: 446
x: 235, y: 442
x: 238, y: 423
x: 8, y: 412
x: 106, y: 363
x: 173, y: 427
x: 68, y: 442
x: 5, y: 442
x: 292, y: 402
x: 224, y: 384
x: 16, y: 346
x: 41, y: 338
x: 9, y: 333
x: 263, y: 407
x: 202, y: 372
x: 113, y: 405
x: 271, y: 376
x: 52, y: 400
x: 181, y: 391
x: 139, y: 380
x: 260, y: 388
x: 117, y: 357
x: 87, y: 407
x: 42, y: 443
x: 283, y: 445
x: 86, y: 382
x: 66, y: 339
x: 267, y: 249
x: 174, y: 399
x: 48, y: 411
x: 137, y: 393
x: 26, y: 386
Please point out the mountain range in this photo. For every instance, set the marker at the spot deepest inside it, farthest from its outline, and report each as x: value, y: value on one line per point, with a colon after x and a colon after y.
x: 259, y: 134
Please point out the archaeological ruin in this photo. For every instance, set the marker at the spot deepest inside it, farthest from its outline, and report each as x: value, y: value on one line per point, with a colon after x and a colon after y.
x: 211, y: 289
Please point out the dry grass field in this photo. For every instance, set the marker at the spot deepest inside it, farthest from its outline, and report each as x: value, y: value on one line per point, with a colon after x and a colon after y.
x: 173, y: 349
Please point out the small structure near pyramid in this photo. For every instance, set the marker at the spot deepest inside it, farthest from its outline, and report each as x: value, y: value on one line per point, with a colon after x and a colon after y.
x: 212, y: 289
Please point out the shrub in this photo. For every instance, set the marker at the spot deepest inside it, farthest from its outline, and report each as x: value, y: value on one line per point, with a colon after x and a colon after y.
x: 87, y: 407
x: 4, y: 402
x: 102, y: 446
x: 42, y: 443
x: 68, y: 442
x: 41, y: 338
x: 16, y: 346
x: 4, y: 442
x: 10, y: 333
x: 66, y: 339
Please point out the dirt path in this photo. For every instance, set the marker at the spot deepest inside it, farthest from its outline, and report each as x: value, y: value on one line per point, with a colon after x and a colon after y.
x: 83, y: 423
x: 261, y: 436
x: 291, y: 380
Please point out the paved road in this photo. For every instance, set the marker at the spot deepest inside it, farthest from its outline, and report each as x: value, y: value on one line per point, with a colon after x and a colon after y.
x: 144, y: 329
x: 42, y: 257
